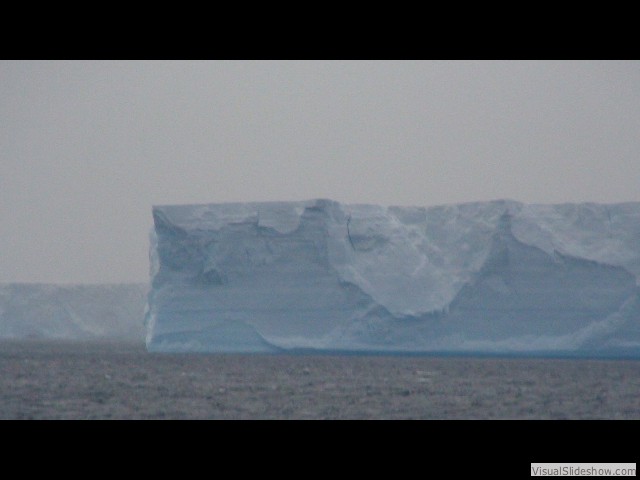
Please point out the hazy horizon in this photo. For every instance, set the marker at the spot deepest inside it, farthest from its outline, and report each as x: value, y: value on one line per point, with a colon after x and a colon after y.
x: 89, y: 147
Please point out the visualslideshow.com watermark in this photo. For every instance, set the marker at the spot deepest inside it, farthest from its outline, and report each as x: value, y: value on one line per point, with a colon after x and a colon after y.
x: 583, y: 469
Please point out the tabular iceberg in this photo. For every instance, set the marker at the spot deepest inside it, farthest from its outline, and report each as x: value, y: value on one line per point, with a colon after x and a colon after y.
x: 500, y: 276
x: 72, y: 312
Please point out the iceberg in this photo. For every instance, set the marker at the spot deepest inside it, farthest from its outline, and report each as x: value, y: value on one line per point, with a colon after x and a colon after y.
x: 318, y: 275
x: 72, y: 312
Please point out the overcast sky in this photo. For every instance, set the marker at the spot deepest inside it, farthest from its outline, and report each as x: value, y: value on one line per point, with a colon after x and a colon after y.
x: 86, y: 148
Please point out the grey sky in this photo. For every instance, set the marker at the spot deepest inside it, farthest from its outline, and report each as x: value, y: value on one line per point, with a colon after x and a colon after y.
x: 87, y: 147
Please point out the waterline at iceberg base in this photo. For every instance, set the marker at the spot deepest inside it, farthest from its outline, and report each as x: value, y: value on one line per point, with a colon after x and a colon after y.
x: 498, y: 277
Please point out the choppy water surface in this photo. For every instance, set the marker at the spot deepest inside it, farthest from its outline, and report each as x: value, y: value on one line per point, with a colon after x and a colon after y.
x: 61, y: 380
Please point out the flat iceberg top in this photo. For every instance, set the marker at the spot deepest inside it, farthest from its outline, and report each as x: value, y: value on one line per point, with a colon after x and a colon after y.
x: 321, y: 274
x: 282, y: 216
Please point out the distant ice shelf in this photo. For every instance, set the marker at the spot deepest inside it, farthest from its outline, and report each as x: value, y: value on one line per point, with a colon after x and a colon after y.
x: 72, y: 312
x: 498, y: 277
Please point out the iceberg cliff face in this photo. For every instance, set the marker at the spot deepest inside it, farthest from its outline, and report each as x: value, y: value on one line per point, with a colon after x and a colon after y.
x: 496, y: 276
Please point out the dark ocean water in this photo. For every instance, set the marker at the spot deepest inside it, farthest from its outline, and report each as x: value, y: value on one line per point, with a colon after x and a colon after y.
x: 109, y: 380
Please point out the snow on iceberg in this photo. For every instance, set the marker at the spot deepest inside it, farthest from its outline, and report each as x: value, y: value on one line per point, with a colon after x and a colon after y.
x: 497, y: 276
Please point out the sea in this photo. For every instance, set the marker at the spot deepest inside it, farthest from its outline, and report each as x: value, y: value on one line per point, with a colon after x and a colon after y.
x: 46, y: 379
